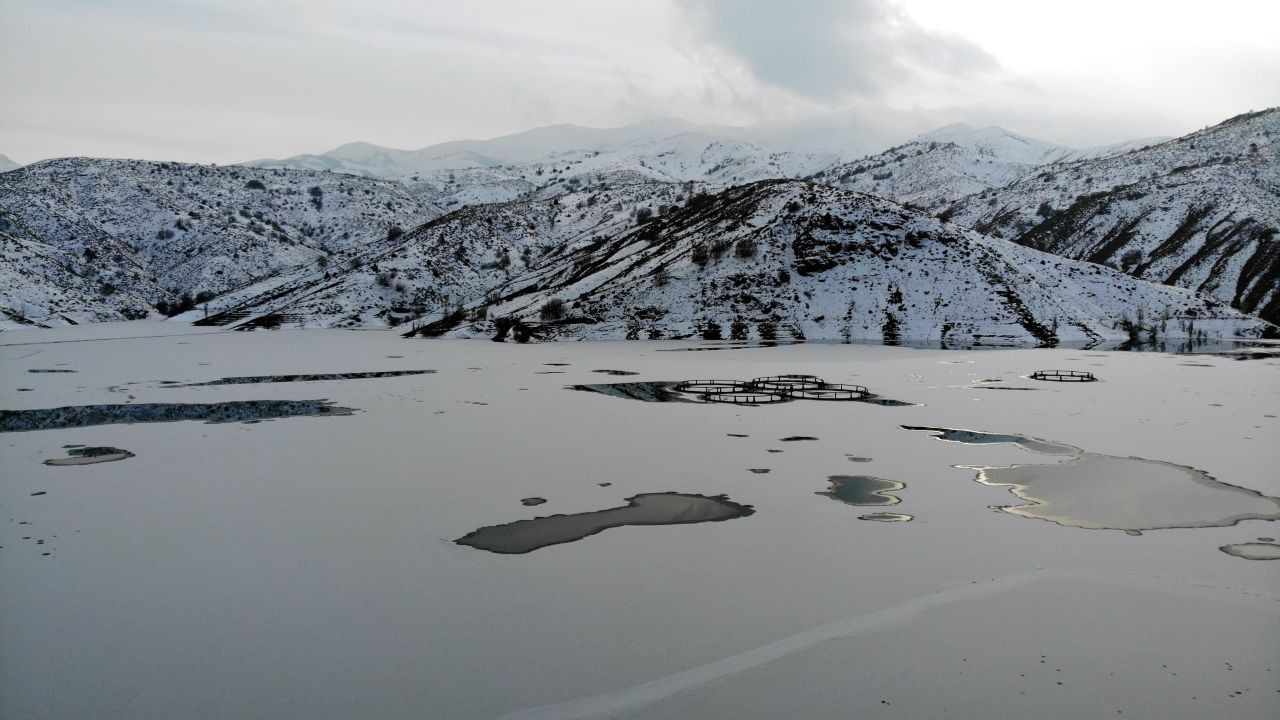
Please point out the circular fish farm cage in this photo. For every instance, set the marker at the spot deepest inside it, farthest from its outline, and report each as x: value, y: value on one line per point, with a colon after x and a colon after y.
x: 784, y: 383
x: 830, y: 391
x: 703, y: 387
x: 744, y: 397
x: 772, y: 389
x: 1063, y: 376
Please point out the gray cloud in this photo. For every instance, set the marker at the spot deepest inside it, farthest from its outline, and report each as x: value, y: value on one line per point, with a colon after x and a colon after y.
x: 832, y: 48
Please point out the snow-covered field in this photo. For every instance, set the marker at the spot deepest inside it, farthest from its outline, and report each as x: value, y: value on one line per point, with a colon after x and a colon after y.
x: 306, y: 567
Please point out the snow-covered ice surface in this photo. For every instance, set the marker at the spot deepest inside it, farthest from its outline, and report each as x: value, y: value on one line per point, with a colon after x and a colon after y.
x: 306, y: 567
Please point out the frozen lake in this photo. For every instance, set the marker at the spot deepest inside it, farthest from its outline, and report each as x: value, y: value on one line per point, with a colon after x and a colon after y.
x: 266, y: 525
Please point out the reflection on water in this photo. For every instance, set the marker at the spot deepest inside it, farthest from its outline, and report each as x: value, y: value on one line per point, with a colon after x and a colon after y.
x: 1253, y: 551
x: 89, y: 456
x: 644, y: 391
x: 863, y: 490
x: 1096, y: 491
x: 1243, y: 349
x: 669, y: 508
x: 665, y: 391
x: 234, y: 411
x: 662, y: 391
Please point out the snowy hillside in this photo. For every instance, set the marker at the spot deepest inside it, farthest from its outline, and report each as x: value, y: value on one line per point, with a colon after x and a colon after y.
x: 925, y: 174
x: 1200, y: 212
x: 940, y: 167
x: 453, y: 260
x: 161, y: 230
x: 6, y: 164
x: 795, y: 259
x: 43, y: 286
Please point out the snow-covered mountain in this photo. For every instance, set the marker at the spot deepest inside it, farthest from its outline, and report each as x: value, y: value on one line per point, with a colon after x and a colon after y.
x: 157, y: 231
x: 796, y: 259
x: 940, y: 167
x: 549, y: 160
x: 584, y: 217
x: 530, y: 146
x: 1200, y: 212
x: 6, y: 164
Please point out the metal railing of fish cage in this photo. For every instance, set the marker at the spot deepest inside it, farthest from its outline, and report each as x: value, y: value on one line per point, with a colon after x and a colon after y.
x: 703, y: 387
x: 744, y: 397
x: 1063, y: 376
x: 829, y: 391
x: 783, y: 383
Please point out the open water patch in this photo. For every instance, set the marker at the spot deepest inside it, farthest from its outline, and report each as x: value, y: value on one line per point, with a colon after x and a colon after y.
x: 888, y: 402
x: 863, y: 490
x: 90, y: 456
x: 223, y: 412
x: 671, y: 508
x: 975, y: 437
x: 1253, y: 551
x: 887, y: 517
x: 310, y: 377
x: 1096, y: 491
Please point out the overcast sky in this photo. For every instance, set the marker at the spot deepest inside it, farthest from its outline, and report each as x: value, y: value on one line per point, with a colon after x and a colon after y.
x: 232, y: 80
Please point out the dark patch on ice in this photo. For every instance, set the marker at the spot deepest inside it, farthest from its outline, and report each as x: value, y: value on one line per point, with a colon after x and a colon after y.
x: 604, y: 484
x: 81, y: 455
x: 557, y: 364
x: 49, y: 370
x: 549, y: 372
x: 1253, y: 551
x: 863, y: 490
x: 532, y: 501
x: 1096, y: 491
x: 1002, y: 387
x: 737, y: 435
x: 797, y: 438
x: 314, y: 377
x: 42, y: 492
x: 615, y: 372
x: 773, y: 451
x: 233, y: 411
x: 26, y: 389
x: 759, y: 471
x: 643, y: 391
x: 887, y: 517
x: 889, y: 402
x: 669, y: 508
x: 855, y: 458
